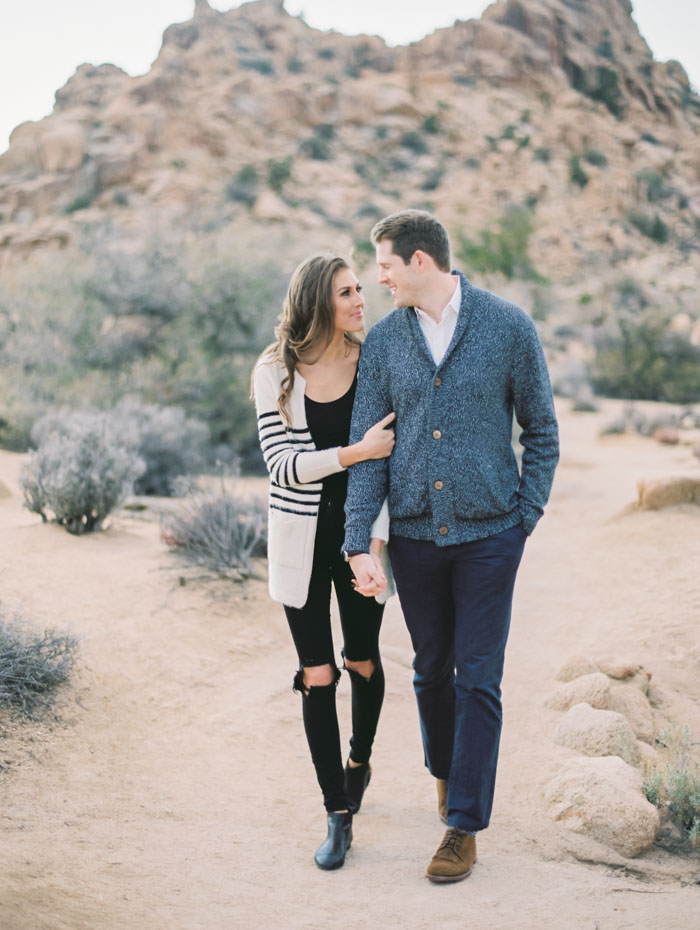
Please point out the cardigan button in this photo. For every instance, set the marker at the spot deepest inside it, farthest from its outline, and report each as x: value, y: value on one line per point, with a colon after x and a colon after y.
x: 443, y: 531
x: 438, y: 382
x: 437, y: 434
x: 438, y: 485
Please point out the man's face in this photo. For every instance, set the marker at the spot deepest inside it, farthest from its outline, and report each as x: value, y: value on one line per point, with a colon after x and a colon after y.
x: 401, y: 279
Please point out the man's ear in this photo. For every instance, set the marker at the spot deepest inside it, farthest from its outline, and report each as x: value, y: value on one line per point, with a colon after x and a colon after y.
x: 422, y: 259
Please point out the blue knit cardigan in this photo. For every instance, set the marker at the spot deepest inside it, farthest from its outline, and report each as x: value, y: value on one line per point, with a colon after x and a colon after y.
x: 453, y: 475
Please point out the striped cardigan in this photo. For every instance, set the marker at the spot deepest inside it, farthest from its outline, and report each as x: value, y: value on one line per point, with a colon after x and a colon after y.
x: 296, y: 469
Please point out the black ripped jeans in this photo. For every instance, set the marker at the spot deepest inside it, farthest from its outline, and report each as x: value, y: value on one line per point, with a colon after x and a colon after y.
x: 310, y: 625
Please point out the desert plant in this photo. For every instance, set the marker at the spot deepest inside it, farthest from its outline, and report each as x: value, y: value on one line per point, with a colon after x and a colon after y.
x: 642, y: 358
x: 244, y: 188
x: 279, y: 172
x: 219, y: 530
x: 32, y: 663
x: 504, y: 250
x: 576, y: 173
x: 543, y: 154
x: 595, y: 158
x: 80, y: 472
x: 652, y: 227
x: 414, y: 142
x: 169, y: 442
x: 674, y: 785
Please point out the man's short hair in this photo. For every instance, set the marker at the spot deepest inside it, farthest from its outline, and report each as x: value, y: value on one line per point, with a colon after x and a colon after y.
x: 410, y: 230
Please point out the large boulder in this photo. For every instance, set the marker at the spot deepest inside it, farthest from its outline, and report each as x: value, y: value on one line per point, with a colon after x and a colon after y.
x: 593, y: 689
x: 635, y: 707
x: 602, y: 798
x: 666, y: 492
x: 575, y: 667
x: 597, y: 733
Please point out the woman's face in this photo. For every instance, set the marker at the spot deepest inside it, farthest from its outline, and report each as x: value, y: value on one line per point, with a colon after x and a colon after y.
x: 348, y: 302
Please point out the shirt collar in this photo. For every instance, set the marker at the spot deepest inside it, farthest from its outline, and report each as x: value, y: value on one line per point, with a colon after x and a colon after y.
x: 450, y: 310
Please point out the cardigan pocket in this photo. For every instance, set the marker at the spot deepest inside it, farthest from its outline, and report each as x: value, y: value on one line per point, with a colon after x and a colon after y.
x: 289, y: 537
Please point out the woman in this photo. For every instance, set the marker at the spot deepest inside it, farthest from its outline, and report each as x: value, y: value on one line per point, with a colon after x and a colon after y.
x: 304, y: 386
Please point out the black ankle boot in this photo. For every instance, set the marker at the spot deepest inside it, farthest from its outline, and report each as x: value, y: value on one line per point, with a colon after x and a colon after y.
x: 356, y: 780
x: 331, y: 853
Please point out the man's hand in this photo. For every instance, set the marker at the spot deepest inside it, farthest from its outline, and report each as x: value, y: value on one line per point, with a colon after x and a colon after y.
x: 369, y: 579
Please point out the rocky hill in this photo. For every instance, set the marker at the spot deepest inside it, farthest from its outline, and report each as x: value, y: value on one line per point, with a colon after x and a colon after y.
x: 253, y: 120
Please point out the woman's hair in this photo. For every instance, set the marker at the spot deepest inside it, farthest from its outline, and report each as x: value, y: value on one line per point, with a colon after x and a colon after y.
x: 307, y: 323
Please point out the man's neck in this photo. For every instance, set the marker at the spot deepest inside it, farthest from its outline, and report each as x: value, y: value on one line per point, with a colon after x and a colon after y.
x: 437, y: 294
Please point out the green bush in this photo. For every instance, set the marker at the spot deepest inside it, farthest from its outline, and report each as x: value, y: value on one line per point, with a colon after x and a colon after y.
x: 652, y: 227
x: 654, y: 184
x: 414, y: 142
x: 674, y: 786
x: 639, y: 357
x: 32, y: 663
x: 543, y: 154
x: 278, y: 173
x: 245, y: 187
x: 432, y: 125
x: 317, y: 148
x: 503, y: 250
x: 595, y: 158
x: 576, y: 173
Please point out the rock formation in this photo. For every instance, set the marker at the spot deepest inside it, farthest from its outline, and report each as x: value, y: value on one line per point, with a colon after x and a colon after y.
x: 253, y: 120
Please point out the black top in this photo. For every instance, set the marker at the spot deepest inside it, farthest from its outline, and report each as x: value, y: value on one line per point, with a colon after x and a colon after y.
x: 329, y: 425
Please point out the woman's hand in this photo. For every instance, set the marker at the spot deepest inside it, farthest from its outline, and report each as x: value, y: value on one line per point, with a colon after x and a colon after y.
x: 377, y: 443
x: 369, y: 579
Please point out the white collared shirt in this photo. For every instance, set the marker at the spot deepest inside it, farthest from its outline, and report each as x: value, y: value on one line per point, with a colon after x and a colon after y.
x: 439, y: 335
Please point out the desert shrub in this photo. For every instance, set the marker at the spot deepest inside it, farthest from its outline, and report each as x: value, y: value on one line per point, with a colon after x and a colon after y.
x: 649, y: 137
x: 317, y: 148
x: 279, y: 172
x: 674, y: 786
x: 173, y: 323
x: 32, y: 663
x: 595, y: 158
x: 433, y: 178
x: 652, y: 227
x: 295, y: 65
x: 244, y: 188
x: 414, y: 142
x: 472, y: 163
x: 543, y: 154
x: 576, y: 173
x: 642, y: 358
x: 80, y: 472
x: 261, y: 65
x: 654, y: 184
x: 432, y: 125
x: 503, y: 250
x: 219, y: 530
x: 169, y: 442
x: 598, y: 82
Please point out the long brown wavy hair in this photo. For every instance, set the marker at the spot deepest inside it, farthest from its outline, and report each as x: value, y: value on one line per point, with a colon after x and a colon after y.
x: 307, y: 323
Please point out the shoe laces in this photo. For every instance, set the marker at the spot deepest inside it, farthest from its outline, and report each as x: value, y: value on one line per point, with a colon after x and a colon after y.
x: 452, y: 841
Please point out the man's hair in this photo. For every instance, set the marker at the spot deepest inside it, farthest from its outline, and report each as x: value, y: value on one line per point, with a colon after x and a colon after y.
x: 410, y: 230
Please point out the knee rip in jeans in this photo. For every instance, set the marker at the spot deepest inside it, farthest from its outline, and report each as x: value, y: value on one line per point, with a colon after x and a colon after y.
x: 356, y: 675
x: 299, y: 686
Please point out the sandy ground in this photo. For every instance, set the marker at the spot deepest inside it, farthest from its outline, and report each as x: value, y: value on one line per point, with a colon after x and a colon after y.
x: 175, y: 790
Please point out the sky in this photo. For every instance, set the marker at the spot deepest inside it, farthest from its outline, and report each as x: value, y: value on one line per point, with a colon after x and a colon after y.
x: 44, y: 41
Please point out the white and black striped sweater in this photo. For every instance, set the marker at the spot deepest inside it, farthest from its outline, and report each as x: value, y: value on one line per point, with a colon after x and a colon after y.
x: 296, y: 470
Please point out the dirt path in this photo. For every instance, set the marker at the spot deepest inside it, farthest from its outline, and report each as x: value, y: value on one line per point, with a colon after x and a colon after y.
x: 176, y: 792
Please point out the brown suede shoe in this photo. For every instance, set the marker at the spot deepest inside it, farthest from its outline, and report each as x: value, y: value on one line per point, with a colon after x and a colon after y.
x: 455, y: 857
x: 442, y: 798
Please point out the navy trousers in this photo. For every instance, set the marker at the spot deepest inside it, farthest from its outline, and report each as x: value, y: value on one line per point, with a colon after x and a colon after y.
x: 456, y: 601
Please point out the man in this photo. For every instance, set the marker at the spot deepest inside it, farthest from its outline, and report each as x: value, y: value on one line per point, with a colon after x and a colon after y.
x: 455, y: 363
